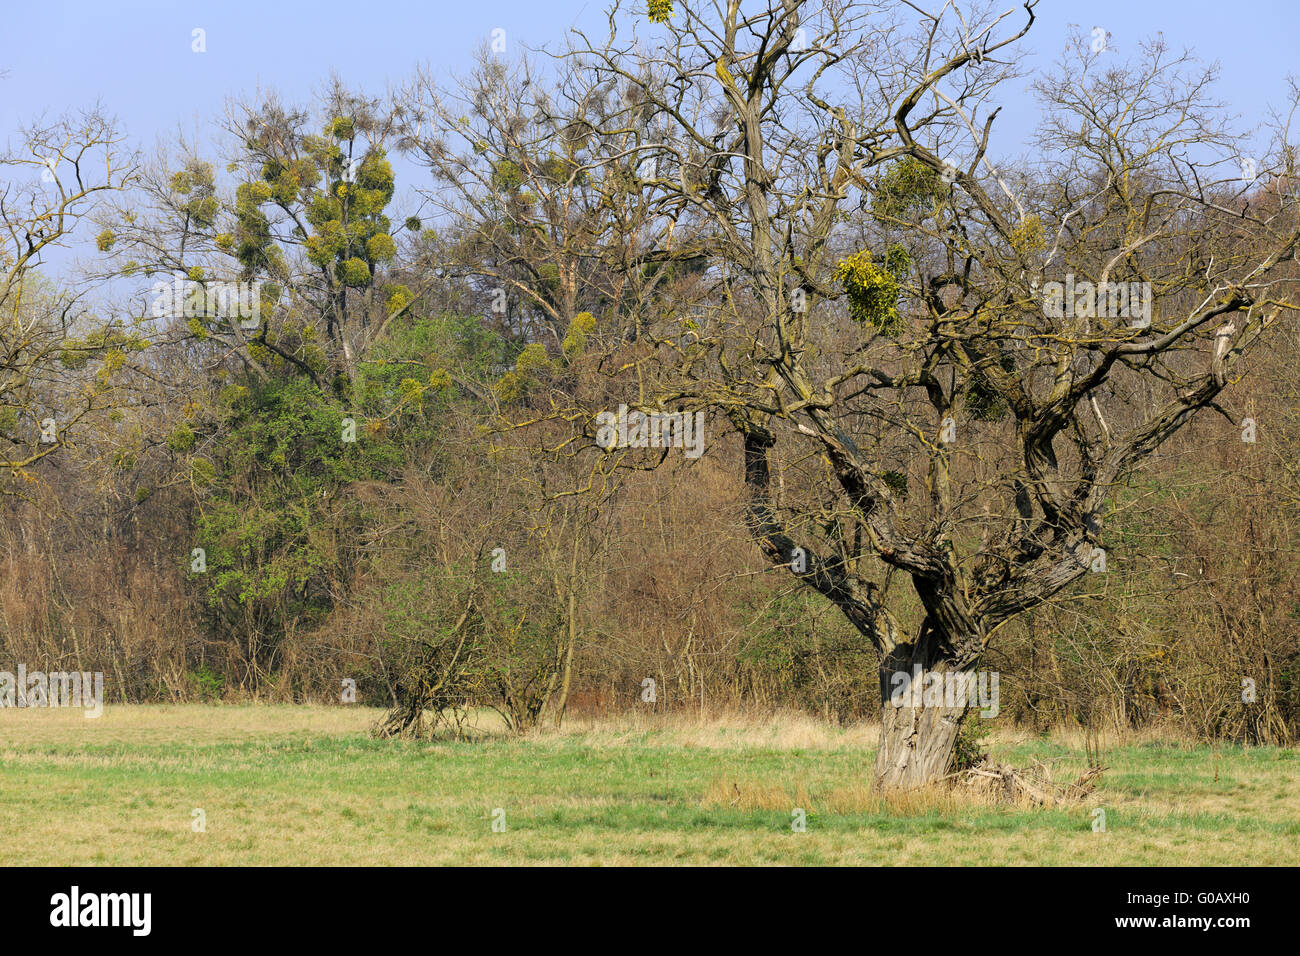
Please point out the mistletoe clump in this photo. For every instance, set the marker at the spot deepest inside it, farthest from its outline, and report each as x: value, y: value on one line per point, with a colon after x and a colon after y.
x: 909, y: 188
x: 660, y: 10
x: 872, y: 292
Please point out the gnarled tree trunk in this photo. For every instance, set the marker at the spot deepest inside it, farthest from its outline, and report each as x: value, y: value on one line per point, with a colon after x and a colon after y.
x: 916, y: 744
x: 918, y: 733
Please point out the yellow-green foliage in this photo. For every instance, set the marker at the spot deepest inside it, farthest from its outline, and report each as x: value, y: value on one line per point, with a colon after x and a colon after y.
x: 576, y: 339
x: 113, y: 344
x: 73, y: 354
x: 354, y: 272
x: 909, y: 186
x: 399, y: 298
x: 195, y: 185
x: 351, y: 233
x: 533, y: 358
x: 515, y: 385
x: 410, y: 388
x: 511, y: 388
x: 328, y: 242
x: 202, y: 472
x: 548, y: 277
x: 1029, y: 236
x: 507, y: 176
x: 660, y: 10
x: 872, y: 293
x: 181, y: 439
x: 898, y: 261
x: 264, y: 355
x: 323, y: 209
x: 114, y: 359
x: 376, y: 173
x: 381, y: 247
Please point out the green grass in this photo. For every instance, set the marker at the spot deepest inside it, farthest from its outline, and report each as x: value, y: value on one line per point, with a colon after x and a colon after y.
x: 307, y: 785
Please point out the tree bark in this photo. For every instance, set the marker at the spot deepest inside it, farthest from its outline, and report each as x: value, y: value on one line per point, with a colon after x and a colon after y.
x: 917, y: 743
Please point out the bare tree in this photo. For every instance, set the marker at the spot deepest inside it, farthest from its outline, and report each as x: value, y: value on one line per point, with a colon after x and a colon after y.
x: 51, y: 183
x: 881, y: 324
x: 535, y: 189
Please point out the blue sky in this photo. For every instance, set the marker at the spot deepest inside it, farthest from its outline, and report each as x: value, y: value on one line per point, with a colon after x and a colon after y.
x: 135, y: 56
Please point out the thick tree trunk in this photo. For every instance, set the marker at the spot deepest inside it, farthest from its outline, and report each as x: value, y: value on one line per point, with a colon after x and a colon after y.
x: 918, y: 738
x: 918, y: 733
x: 916, y: 745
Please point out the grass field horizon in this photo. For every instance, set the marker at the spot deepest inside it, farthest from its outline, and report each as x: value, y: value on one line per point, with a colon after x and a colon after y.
x: 308, y: 785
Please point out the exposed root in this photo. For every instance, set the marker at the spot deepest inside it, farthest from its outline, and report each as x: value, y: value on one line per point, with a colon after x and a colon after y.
x: 1034, y: 786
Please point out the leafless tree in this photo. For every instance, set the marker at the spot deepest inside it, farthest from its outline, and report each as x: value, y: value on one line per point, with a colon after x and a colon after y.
x: 964, y: 424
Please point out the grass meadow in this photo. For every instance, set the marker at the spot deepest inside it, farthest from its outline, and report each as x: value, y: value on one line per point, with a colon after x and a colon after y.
x: 306, y: 785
